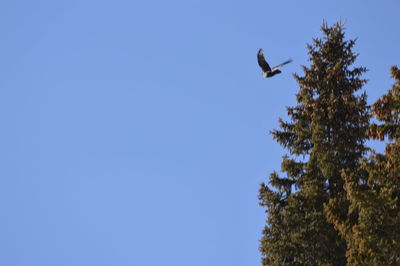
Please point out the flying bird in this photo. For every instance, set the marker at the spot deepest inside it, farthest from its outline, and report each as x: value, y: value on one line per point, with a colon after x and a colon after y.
x: 267, y: 71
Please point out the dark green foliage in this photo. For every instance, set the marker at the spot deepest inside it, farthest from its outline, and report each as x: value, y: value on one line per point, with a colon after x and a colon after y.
x: 372, y: 226
x: 325, y: 135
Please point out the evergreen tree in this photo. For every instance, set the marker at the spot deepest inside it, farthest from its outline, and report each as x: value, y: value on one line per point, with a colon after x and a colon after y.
x: 325, y: 134
x: 372, y: 226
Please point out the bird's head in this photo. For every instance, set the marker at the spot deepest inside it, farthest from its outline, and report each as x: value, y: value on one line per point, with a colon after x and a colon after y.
x: 264, y: 74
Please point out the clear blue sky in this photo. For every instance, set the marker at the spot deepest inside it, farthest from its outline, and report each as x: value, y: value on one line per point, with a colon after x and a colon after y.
x: 136, y: 132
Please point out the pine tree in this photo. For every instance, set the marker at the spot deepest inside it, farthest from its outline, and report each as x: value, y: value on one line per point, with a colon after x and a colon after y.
x: 325, y: 135
x: 372, y: 226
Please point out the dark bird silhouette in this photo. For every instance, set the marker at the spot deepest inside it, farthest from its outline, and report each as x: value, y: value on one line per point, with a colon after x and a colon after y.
x: 267, y: 71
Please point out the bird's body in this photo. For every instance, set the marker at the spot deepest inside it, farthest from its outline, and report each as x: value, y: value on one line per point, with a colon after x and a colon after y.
x: 267, y: 71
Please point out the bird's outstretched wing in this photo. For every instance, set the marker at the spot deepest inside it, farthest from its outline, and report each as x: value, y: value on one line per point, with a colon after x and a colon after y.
x: 281, y: 65
x: 261, y: 61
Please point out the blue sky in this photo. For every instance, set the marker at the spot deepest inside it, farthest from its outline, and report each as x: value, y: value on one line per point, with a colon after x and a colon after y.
x: 136, y: 132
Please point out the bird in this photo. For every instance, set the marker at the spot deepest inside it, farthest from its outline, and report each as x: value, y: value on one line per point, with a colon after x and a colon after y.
x: 267, y: 72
